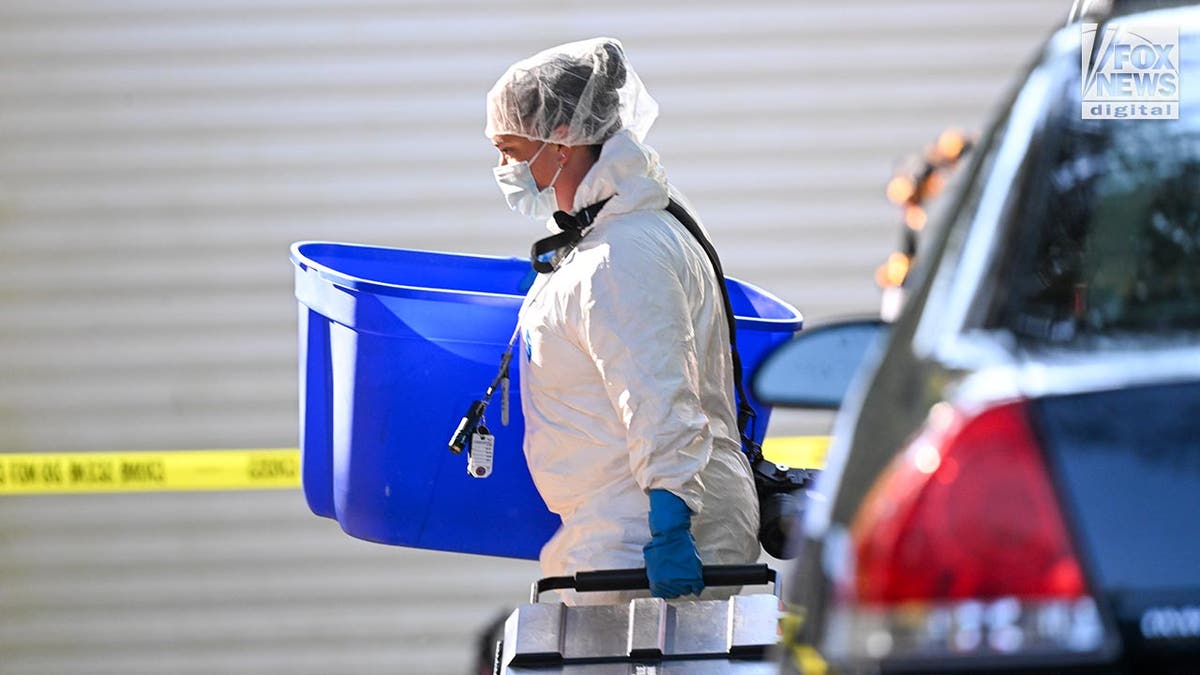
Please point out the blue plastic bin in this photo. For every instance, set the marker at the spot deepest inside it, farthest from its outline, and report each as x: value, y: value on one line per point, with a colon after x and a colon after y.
x: 394, y: 345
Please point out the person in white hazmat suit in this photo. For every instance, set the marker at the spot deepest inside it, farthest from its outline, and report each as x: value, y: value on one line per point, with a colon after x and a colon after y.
x: 627, y: 379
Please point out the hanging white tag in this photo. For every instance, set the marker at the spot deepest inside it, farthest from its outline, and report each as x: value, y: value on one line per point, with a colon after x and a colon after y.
x: 479, y: 457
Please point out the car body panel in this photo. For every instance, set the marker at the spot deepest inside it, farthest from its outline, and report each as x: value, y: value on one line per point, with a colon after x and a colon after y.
x: 1132, y: 492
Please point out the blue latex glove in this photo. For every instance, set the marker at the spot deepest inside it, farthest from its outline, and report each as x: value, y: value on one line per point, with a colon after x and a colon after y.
x: 672, y: 564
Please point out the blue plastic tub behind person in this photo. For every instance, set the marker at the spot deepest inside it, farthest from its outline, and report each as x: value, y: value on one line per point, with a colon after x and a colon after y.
x: 394, y: 345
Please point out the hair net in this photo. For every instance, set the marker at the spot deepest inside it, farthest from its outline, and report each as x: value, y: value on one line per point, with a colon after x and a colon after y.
x: 580, y: 93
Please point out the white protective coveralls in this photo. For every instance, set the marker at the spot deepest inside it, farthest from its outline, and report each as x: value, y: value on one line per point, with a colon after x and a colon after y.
x: 627, y: 382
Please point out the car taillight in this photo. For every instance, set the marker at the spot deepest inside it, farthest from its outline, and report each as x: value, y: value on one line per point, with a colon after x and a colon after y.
x: 966, y: 512
x: 961, y: 549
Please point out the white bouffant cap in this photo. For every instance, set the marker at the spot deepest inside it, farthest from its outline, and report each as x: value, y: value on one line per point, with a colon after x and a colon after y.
x: 579, y: 93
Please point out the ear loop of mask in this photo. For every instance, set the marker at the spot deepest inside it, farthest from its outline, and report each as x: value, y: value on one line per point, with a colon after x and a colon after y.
x: 525, y: 196
x: 561, y: 164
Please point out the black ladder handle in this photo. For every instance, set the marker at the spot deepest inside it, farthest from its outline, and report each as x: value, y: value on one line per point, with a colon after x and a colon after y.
x: 635, y: 579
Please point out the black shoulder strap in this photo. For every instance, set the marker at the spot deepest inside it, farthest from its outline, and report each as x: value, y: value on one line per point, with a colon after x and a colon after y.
x: 745, y: 412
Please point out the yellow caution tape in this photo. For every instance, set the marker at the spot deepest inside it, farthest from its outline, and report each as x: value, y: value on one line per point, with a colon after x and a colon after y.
x: 800, y: 452
x: 279, y: 468
x: 58, y: 473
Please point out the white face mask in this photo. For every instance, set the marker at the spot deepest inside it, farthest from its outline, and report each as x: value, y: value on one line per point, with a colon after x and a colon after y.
x: 521, y: 190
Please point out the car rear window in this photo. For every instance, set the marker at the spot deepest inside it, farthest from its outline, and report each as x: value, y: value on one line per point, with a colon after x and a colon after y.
x: 1103, y: 234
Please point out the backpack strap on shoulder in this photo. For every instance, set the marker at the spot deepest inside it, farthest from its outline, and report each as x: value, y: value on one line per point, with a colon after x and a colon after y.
x: 745, y: 413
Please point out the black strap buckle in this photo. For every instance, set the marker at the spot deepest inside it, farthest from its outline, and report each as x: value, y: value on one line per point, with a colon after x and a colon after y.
x: 547, y: 254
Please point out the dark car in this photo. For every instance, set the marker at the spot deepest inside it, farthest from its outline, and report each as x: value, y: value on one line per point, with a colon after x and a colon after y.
x: 1013, y: 483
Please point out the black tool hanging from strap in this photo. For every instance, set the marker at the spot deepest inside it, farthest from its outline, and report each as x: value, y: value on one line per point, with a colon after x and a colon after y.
x: 545, y: 257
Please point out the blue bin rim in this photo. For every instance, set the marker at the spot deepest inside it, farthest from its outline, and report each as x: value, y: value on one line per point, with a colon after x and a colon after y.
x: 791, y: 323
x: 354, y: 283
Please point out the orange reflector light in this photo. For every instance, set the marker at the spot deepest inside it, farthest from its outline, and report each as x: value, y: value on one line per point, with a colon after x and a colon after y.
x: 900, y: 189
x: 914, y: 218
x: 893, y: 272
x: 951, y: 143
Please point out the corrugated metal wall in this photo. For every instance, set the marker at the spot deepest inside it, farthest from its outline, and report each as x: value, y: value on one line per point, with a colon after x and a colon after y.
x: 156, y: 159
